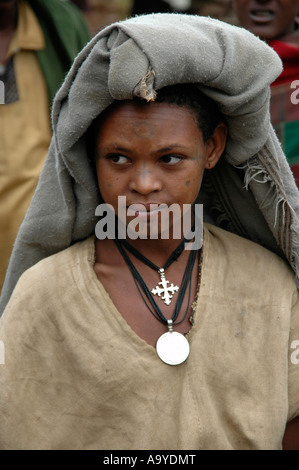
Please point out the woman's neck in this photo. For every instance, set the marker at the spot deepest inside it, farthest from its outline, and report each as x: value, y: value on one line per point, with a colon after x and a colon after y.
x: 159, y: 247
x: 157, y: 251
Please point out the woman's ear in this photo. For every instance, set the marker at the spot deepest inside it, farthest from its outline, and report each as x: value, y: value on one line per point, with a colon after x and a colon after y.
x: 215, y: 145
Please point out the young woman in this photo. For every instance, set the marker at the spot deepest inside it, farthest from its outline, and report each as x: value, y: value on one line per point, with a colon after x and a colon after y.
x: 139, y: 342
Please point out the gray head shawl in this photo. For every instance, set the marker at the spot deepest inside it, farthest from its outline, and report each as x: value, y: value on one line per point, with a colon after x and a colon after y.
x: 251, y: 190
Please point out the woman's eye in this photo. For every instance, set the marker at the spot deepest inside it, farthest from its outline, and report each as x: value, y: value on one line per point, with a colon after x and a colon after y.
x: 171, y: 159
x: 118, y: 159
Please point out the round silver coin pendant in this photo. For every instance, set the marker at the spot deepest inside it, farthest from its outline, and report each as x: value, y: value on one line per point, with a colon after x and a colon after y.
x: 173, y: 348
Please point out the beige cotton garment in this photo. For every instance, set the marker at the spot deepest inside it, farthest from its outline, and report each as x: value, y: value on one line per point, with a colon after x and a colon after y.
x: 76, y: 376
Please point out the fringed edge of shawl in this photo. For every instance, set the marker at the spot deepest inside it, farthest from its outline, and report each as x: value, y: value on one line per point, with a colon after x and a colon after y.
x: 272, y: 200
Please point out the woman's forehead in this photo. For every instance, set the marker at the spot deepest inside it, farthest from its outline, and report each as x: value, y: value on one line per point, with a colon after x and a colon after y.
x: 129, y: 109
x: 145, y: 117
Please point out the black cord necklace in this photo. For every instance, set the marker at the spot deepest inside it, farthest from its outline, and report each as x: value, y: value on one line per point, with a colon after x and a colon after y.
x: 172, y: 347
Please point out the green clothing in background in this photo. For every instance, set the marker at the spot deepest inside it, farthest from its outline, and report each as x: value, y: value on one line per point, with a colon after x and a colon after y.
x: 66, y: 32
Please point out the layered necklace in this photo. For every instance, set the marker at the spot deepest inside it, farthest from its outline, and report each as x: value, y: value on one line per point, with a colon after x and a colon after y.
x: 172, y: 347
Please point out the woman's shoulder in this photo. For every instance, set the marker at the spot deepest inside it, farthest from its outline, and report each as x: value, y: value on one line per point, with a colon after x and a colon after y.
x: 51, y: 274
x: 244, y: 252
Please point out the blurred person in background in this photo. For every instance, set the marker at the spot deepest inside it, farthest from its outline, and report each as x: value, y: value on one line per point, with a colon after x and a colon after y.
x: 218, y: 9
x: 276, y: 22
x: 140, y: 7
x: 38, y: 42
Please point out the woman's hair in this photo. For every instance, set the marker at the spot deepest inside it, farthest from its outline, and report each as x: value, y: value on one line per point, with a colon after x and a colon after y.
x: 188, y: 95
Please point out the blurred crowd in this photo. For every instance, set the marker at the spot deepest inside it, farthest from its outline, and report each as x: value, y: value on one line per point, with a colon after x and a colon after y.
x: 100, y: 13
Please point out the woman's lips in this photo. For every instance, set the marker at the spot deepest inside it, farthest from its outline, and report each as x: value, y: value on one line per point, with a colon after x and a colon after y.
x: 145, y: 210
x: 262, y: 16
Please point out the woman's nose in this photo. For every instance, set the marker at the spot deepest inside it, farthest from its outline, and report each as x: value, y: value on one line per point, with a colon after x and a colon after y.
x: 145, y: 180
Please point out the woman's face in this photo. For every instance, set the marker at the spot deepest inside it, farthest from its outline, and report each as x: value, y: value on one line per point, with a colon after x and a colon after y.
x: 268, y: 19
x: 153, y: 154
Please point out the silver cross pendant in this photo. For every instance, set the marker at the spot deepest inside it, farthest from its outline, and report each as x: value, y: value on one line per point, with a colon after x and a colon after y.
x: 166, y: 292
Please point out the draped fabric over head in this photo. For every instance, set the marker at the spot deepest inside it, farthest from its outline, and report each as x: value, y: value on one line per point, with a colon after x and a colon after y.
x: 252, y: 188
